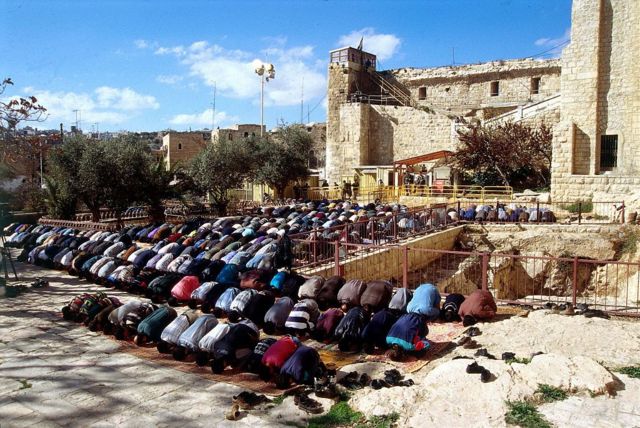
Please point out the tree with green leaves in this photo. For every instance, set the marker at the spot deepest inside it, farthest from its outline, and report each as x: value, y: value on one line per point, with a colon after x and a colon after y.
x: 284, y: 158
x: 511, y: 154
x: 220, y: 167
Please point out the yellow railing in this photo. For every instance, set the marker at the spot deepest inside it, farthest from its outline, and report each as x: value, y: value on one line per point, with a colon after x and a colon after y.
x: 393, y: 193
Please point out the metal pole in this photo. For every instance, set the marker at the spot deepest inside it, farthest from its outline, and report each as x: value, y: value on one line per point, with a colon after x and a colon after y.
x: 405, y: 266
x: 261, y: 105
x: 336, y: 258
x: 485, y: 268
x: 575, y: 281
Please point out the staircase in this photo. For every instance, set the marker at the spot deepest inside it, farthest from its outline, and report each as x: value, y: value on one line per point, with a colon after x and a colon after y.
x: 399, y: 93
x: 526, y: 111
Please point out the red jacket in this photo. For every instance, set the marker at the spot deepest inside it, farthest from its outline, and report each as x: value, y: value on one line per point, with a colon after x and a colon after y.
x: 479, y: 304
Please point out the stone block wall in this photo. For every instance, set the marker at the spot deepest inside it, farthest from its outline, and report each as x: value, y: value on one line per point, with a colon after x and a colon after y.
x: 467, y: 89
x: 181, y: 147
x: 600, y: 89
x: 387, y: 263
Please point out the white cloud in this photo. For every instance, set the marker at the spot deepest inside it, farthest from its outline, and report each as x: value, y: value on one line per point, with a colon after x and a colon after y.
x: 125, y: 99
x: 169, y: 79
x: 141, y: 44
x: 555, y: 45
x: 105, y: 105
x: 203, y: 119
x: 384, y: 46
x: 232, y: 71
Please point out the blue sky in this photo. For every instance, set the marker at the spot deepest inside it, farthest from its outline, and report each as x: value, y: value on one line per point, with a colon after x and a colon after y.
x: 152, y: 65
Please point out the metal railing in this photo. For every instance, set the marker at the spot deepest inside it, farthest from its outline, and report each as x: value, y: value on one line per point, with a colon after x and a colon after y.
x: 609, y: 285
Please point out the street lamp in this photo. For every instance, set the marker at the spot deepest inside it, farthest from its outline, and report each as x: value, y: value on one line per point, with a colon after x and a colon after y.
x: 266, y: 72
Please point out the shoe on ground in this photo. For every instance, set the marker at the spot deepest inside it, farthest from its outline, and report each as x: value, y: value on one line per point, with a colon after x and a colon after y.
x: 462, y: 340
x: 508, y: 355
x: 568, y: 310
x: 392, y: 377
x: 472, y: 331
x: 247, y: 400
x: 379, y: 384
x: 471, y: 344
x: 482, y: 352
x: 309, y: 405
x: 233, y: 413
x: 406, y: 382
x: 485, y: 376
x: 327, y: 391
x: 474, y: 368
x: 365, y: 380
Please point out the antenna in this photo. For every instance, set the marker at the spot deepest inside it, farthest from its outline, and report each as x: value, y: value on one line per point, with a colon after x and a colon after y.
x: 302, y: 102
x: 453, y: 55
x: 76, y: 112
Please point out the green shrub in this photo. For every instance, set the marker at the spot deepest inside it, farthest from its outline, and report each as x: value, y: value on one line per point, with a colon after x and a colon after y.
x: 525, y: 415
x: 522, y: 360
x: 340, y: 414
x: 549, y: 393
x: 631, y: 371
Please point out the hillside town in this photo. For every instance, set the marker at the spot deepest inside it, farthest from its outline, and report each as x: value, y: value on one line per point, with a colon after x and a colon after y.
x: 448, y: 245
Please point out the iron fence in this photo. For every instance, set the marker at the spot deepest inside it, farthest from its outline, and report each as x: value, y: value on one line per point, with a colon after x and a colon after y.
x: 609, y: 285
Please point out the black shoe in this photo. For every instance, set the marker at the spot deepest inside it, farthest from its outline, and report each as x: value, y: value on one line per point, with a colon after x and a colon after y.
x: 379, y: 384
x: 484, y: 353
x: 472, y: 331
x: 508, y: 355
x: 485, y: 376
x: 326, y: 391
x: 247, y: 400
x: 474, y: 368
x: 365, y: 380
x: 471, y: 344
x: 392, y: 376
x: 407, y: 382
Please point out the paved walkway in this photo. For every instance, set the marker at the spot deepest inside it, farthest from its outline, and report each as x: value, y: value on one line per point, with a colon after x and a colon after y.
x: 58, y: 373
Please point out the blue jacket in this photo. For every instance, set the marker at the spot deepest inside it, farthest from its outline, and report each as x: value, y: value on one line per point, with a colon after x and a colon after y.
x: 409, y: 333
x: 425, y: 301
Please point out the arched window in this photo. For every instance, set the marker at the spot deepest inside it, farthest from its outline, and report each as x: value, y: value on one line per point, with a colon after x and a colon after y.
x: 179, y: 146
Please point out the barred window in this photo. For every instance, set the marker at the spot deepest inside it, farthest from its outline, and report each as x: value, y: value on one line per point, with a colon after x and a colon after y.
x: 608, y: 152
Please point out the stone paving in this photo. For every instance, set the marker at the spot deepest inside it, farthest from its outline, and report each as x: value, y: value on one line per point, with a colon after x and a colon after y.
x: 58, y: 373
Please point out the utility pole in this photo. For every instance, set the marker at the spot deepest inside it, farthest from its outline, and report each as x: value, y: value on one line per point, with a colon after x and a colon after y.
x: 302, y: 102
x: 76, y: 112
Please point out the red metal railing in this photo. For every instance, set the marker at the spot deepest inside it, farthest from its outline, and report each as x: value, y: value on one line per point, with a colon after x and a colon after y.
x: 609, y: 285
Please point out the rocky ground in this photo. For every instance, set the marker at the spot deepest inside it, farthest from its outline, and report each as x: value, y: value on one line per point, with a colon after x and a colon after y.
x: 55, y: 373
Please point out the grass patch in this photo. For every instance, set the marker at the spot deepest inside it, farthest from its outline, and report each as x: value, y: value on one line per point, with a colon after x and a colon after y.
x: 25, y: 384
x: 340, y: 414
x: 385, y: 421
x: 549, y: 394
x: 582, y: 207
x: 629, y: 242
x: 631, y: 371
x: 278, y: 400
x: 525, y: 415
x: 522, y: 360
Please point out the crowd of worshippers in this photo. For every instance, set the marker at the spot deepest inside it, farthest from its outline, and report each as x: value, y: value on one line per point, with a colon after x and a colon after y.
x: 205, y: 267
x: 290, y: 309
x: 503, y: 213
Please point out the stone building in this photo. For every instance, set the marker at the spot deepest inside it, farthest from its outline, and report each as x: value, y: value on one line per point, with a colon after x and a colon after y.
x: 376, y: 118
x: 591, y: 97
x: 181, y: 147
x: 237, y: 132
x: 596, y: 150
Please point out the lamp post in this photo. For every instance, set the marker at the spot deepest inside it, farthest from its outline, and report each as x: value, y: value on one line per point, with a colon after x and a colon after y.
x: 266, y: 72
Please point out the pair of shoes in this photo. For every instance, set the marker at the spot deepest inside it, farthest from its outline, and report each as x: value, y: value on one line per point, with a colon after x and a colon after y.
x: 472, y: 331
x: 248, y: 400
x: 484, y: 353
x: 353, y: 381
x: 309, y: 405
x: 326, y: 391
x: 475, y: 368
x: 596, y: 313
x: 392, y: 377
x: 568, y: 310
x: 39, y: 283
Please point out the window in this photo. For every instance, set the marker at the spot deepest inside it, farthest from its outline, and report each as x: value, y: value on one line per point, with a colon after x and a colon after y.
x: 535, y: 85
x: 230, y: 137
x: 179, y: 146
x: 608, y: 152
x: 495, y: 88
x: 422, y: 93
x: 246, y: 134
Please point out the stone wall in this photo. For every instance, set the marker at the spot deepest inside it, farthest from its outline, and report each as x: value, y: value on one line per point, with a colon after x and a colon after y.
x: 181, y: 147
x: 600, y: 89
x: 237, y: 132
x: 387, y: 263
x: 467, y: 89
